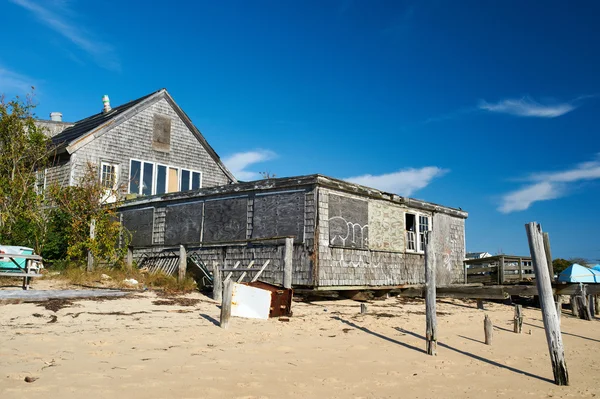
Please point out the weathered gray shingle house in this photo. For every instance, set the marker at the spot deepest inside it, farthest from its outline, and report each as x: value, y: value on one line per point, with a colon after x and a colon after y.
x: 147, y: 146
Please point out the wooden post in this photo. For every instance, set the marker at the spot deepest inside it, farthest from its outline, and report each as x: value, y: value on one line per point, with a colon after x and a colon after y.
x: 548, y: 253
x: 480, y: 304
x: 182, y: 264
x: 363, y: 308
x: 574, y: 307
x: 226, y: 304
x: 520, y: 269
x: 544, y: 287
x: 430, y: 313
x: 217, y: 284
x: 582, y: 304
x: 129, y: 259
x: 591, y: 306
x: 518, y: 319
x: 596, y: 308
x: 501, y: 270
x: 90, y: 256
x: 288, y: 256
x: 559, y: 306
x: 488, y: 328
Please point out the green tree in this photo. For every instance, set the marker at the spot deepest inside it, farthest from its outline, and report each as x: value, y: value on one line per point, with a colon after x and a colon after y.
x: 74, y: 210
x: 24, y: 151
x: 560, y: 264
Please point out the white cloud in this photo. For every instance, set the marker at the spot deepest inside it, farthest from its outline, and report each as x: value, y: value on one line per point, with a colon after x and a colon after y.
x: 549, y: 185
x: 14, y: 82
x: 58, y: 20
x: 528, y: 107
x: 404, y: 182
x: 239, y: 162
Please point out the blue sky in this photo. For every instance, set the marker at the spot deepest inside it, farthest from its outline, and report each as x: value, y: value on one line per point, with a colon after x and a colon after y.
x: 488, y: 106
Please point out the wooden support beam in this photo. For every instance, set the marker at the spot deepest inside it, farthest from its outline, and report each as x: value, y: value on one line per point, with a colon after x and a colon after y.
x: 518, y: 319
x: 544, y: 286
x: 501, y: 270
x: 548, y: 253
x: 520, y: 269
x: 182, y: 269
x: 430, y: 313
x: 241, y: 278
x: 226, y: 304
x: 288, y: 256
x: 480, y: 304
x: 217, y: 284
x: 363, y: 308
x: 488, y: 329
x: 596, y: 303
x: 129, y: 259
x: 234, y: 267
x: 262, y: 269
x: 558, y: 307
x: 574, y: 307
x: 582, y: 304
x: 591, y: 306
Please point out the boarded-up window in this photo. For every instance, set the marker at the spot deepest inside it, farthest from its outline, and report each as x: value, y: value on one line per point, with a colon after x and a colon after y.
x: 161, y: 135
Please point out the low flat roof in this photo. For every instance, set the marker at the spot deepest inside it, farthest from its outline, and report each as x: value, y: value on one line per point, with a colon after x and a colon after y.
x: 288, y: 183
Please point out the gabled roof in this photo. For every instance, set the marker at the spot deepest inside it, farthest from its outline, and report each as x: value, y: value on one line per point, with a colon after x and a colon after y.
x: 80, y: 128
x: 73, y: 137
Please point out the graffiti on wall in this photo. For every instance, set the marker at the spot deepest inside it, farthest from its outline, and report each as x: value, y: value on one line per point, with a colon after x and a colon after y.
x: 348, y: 222
x: 386, y: 227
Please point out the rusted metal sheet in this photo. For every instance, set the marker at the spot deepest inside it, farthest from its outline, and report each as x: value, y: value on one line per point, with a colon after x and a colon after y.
x: 281, y: 298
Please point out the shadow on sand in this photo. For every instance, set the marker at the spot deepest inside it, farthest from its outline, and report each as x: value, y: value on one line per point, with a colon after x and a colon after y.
x: 462, y: 352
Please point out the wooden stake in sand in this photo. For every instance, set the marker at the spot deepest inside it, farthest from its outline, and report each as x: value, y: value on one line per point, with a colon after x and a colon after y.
x: 480, y: 304
x: 488, y: 329
x: 288, y: 256
x: 182, y: 269
x: 430, y: 316
x: 217, y: 284
x: 558, y: 306
x: 574, y: 307
x: 518, y: 320
x: 226, y: 304
x: 544, y: 286
x: 363, y: 308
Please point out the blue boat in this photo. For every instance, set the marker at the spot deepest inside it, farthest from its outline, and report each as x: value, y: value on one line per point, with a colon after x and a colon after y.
x: 579, y: 274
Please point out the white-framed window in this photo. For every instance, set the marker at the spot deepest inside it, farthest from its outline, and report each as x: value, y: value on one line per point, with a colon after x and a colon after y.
x: 149, y: 178
x: 40, y: 181
x: 109, y: 175
x: 416, y: 225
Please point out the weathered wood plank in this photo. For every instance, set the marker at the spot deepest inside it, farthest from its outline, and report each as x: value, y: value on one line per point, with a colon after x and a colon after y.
x: 488, y: 329
x: 544, y: 286
x: 226, y: 304
x: 518, y: 319
x: 182, y: 268
x: 217, y: 283
x: 430, y: 298
x: 287, y: 262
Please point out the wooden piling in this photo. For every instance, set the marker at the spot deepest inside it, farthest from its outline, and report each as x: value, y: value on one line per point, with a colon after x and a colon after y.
x: 129, y: 259
x: 480, y: 304
x: 591, y: 306
x: 90, y: 256
x: 182, y: 269
x: 226, y: 303
x: 596, y: 307
x: 363, y: 308
x: 548, y: 253
x: 488, y: 328
x: 574, y: 307
x: 217, y: 284
x: 544, y: 287
x: 430, y: 313
x: 558, y: 307
x: 287, y: 262
x: 518, y: 319
x: 582, y: 304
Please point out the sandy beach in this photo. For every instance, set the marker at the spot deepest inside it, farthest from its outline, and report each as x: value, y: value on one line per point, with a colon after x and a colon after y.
x: 147, y: 347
